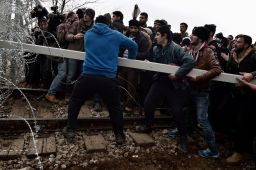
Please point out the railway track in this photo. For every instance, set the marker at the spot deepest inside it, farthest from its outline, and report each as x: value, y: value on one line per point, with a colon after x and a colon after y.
x: 47, y: 121
x: 48, y: 117
x: 94, y: 137
x: 10, y: 125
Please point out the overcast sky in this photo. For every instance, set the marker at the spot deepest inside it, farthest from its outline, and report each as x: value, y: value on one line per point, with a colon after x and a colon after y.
x: 230, y: 16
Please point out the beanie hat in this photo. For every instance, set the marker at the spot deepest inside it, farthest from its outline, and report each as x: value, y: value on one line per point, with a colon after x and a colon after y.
x: 201, y: 32
x: 186, y: 41
x: 134, y: 22
x: 90, y: 12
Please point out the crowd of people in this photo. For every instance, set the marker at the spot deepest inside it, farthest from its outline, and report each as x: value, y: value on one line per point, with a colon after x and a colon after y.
x: 218, y: 106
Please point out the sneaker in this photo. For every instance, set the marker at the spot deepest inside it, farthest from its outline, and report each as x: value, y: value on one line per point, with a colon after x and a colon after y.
x: 183, y: 144
x: 173, y: 133
x: 207, y: 153
x: 51, y: 98
x: 97, y: 107
x: 120, y: 139
x: 69, y: 134
x: 143, y: 129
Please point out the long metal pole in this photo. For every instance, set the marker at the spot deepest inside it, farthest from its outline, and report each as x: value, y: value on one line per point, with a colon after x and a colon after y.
x: 142, y: 65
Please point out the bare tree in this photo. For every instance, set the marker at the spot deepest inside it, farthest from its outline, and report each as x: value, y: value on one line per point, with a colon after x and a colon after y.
x: 65, y: 5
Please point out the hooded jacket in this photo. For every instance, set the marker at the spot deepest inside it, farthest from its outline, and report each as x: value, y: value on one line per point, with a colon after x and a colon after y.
x: 102, y: 46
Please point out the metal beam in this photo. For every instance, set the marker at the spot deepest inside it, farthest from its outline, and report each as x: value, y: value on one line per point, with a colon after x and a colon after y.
x: 142, y: 65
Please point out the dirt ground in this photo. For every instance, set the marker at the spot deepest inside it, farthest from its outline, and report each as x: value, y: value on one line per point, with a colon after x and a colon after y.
x: 164, y: 161
x: 164, y: 158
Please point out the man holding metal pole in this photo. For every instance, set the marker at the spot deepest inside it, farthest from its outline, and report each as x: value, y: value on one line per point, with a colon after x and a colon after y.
x: 99, y: 75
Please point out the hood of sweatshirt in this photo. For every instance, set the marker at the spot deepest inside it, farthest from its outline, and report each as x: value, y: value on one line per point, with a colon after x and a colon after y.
x: 100, y: 28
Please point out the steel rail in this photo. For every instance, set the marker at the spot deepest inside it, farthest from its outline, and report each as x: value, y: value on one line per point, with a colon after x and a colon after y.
x: 9, y: 125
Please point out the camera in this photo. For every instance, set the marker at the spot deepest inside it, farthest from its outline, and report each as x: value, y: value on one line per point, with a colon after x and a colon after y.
x: 54, y: 9
x: 39, y: 12
x: 55, y: 19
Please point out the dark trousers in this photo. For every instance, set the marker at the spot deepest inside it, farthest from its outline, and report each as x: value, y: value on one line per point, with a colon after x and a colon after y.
x: 176, y: 99
x: 221, y: 110
x: 245, y: 122
x: 145, y: 81
x: 46, y: 71
x: 32, y: 69
x: 107, y: 88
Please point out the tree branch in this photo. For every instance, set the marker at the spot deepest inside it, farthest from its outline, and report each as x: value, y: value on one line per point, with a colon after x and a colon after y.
x: 62, y: 6
x: 89, y: 2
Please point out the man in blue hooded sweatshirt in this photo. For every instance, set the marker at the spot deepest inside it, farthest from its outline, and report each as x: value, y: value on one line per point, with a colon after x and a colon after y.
x: 99, y: 75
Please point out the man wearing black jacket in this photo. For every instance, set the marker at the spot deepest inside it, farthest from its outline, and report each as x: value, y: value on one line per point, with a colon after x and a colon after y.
x: 243, y: 61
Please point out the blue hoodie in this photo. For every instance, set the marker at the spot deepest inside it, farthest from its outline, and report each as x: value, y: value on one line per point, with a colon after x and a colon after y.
x: 102, y: 47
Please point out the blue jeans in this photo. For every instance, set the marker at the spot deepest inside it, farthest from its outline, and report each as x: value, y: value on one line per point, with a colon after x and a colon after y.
x: 201, y: 100
x: 59, y: 80
x: 74, y: 69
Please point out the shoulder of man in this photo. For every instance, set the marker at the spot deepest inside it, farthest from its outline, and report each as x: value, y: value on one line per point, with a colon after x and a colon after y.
x: 207, y: 49
x: 253, y: 52
x: 156, y: 48
x: 74, y: 26
x: 173, y: 45
x: 75, y: 23
x: 114, y: 32
x: 61, y: 25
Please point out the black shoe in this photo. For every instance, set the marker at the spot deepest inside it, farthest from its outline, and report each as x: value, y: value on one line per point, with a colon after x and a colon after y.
x: 143, y: 129
x: 69, y: 134
x: 97, y: 107
x: 120, y: 139
x: 183, y: 145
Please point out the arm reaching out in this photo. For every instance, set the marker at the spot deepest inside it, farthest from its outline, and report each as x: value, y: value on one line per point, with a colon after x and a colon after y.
x: 244, y: 82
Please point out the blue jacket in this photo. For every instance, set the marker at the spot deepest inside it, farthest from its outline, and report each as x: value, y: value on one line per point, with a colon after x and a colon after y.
x: 102, y: 47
